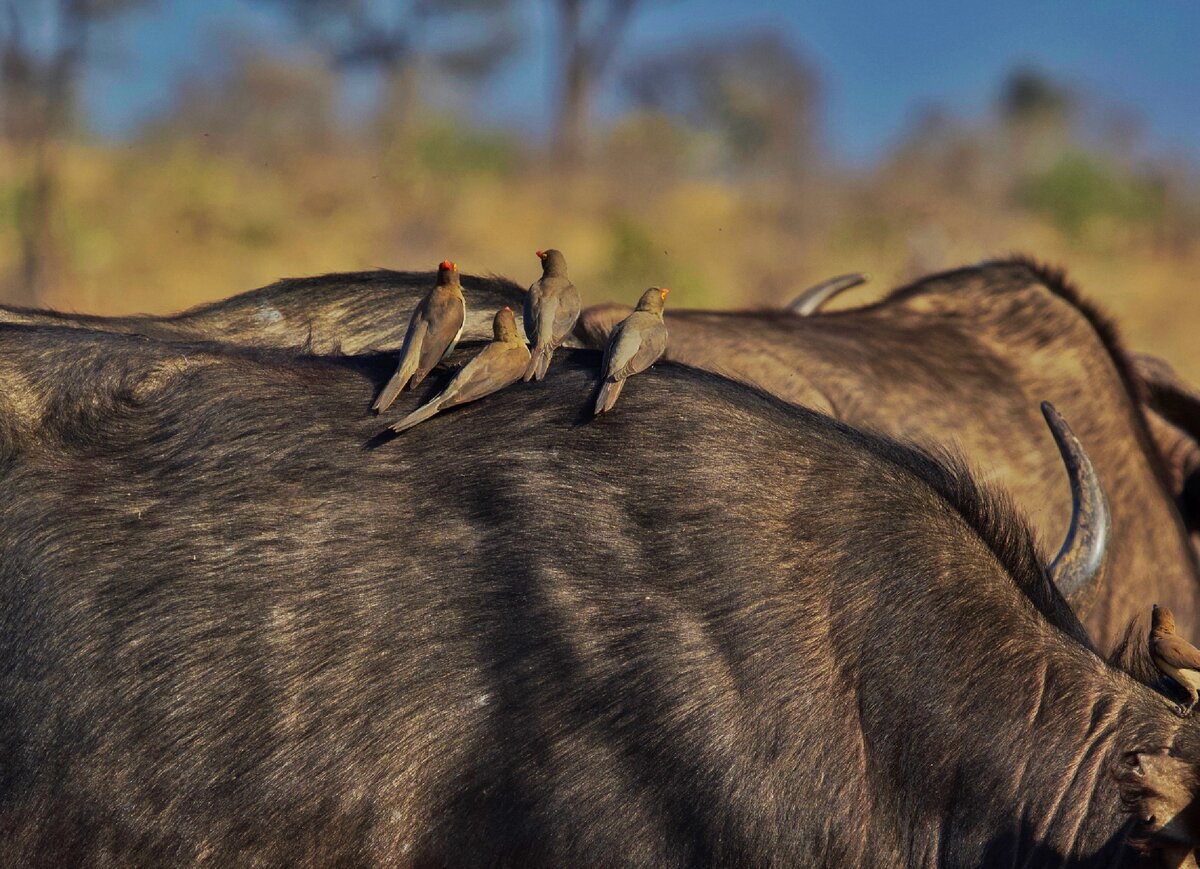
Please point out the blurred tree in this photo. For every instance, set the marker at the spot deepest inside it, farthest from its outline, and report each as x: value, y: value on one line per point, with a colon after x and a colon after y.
x: 755, y: 91
x: 1029, y: 95
x: 652, y: 150
x: 461, y: 38
x: 589, y: 34
x: 265, y: 108
x: 940, y: 150
x: 1122, y: 131
x: 39, y: 82
x: 1080, y: 189
x: 1036, y: 114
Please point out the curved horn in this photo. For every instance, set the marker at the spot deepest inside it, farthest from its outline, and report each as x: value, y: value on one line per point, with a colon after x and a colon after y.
x: 810, y: 301
x: 1079, y: 560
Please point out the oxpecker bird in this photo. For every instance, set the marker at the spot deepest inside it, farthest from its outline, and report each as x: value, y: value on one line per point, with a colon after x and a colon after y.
x: 1173, y: 655
x: 497, y: 365
x: 434, y: 329
x: 636, y: 343
x: 551, y: 309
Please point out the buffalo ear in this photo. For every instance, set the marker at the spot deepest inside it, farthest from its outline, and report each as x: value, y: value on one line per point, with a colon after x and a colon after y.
x: 1160, y: 793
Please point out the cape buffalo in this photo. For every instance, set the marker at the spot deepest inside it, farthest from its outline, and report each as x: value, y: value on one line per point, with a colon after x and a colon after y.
x: 351, y: 312
x: 710, y: 629
x: 963, y: 358
x: 1174, y: 415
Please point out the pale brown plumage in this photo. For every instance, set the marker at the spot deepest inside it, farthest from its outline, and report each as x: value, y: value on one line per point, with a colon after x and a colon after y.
x: 496, y: 366
x: 551, y: 309
x: 636, y: 343
x: 434, y: 329
x: 1174, y: 656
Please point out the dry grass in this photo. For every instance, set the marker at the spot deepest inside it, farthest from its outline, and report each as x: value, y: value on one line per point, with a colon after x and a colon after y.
x: 159, y: 227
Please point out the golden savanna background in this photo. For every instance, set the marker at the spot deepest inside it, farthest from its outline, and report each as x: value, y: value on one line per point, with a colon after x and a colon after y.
x: 280, y: 138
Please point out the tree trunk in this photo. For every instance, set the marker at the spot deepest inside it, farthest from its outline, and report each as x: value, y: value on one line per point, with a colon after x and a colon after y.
x: 400, y: 101
x: 57, y: 99
x: 570, y: 139
x: 34, y: 227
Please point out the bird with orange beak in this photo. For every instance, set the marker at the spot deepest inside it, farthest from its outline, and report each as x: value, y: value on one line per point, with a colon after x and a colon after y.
x: 1173, y: 655
x: 551, y: 309
x: 636, y: 343
x: 496, y: 366
x: 435, y: 327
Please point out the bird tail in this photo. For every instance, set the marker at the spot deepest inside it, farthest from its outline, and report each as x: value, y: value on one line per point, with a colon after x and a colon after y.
x: 418, y: 376
x: 408, y: 365
x: 609, y: 391
x: 544, y: 361
x: 539, y: 362
x: 417, y: 416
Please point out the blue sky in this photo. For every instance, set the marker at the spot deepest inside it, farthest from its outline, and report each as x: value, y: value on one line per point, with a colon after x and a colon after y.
x: 880, y: 60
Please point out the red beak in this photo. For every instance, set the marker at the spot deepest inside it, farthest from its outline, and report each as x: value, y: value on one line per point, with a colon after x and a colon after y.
x: 541, y: 254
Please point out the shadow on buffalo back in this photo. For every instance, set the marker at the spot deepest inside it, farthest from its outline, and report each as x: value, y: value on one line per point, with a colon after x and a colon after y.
x: 715, y: 629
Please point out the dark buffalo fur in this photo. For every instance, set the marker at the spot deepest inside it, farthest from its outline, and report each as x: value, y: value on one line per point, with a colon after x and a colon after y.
x: 710, y: 628
x: 964, y: 358
x: 1174, y: 407
x: 1054, y: 279
x: 351, y: 312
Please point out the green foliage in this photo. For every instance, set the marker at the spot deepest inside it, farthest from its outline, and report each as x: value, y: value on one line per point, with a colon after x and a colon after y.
x: 448, y: 149
x: 13, y: 196
x: 1079, y: 189
x: 637, y: 261
x: 754, y: 91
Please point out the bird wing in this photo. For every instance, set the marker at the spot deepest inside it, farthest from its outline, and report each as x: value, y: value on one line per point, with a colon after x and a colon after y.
x: 533, y: 303
x: 565, y: 314
x: 409, y: 355
x: 1177, y: 652
x: 543, y: 327
x: 445, y: 326
x: 638, y: 350
x: 495, y: 366
x: 617, y: 346
x: 414, y: 339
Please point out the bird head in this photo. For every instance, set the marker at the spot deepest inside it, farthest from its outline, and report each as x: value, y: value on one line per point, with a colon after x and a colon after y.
x: 504, y: 325
x: 1162, y: 619
x: 447, y: 273
x: 653, y: 300
x: 553, y: 262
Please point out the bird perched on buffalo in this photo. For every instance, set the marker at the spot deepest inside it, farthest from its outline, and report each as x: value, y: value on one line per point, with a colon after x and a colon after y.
x: 551, y: 309
x: 434, y: 329
x: 496, y: 366
x: 1173, y: 655
x: 636, y: 343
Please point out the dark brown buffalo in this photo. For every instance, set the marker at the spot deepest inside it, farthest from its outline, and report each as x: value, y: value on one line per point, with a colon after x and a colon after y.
x: 1174, y: 415
x: 963, y: 358
x: 714, y: 629
x: 351, y: 312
